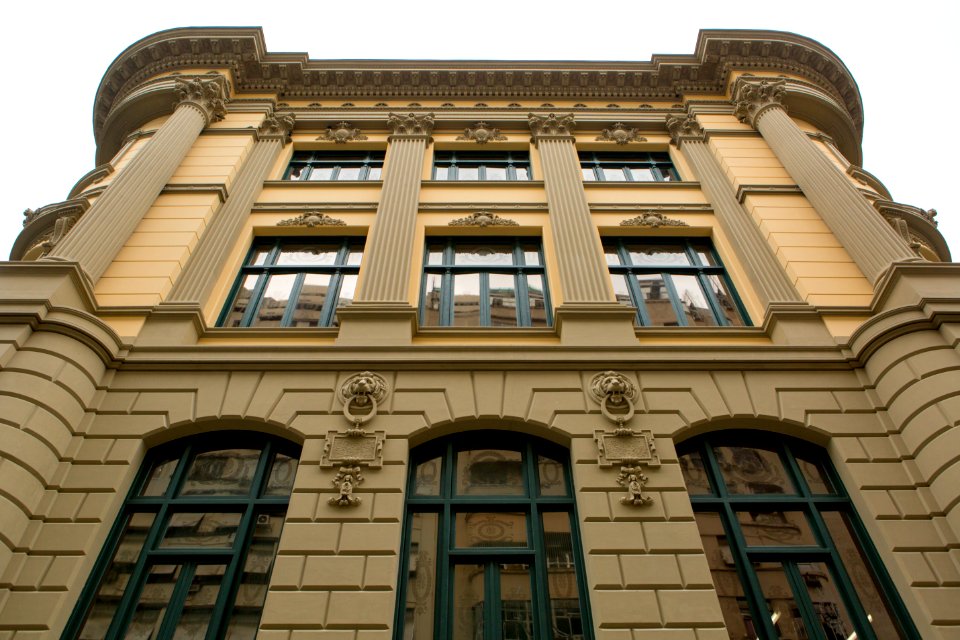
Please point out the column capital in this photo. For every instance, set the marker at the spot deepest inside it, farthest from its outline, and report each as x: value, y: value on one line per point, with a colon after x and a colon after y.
x: 551, y: 126
x: 277, y: 126
x: 684, y: 128
x: 411, y: 125
x: 206, y: 94
x: 753, y: 96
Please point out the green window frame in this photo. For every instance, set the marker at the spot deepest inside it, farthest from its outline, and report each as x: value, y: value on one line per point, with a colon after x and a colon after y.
x: 484, y: 282
x: 787, y: 552
x: 673, y: 282
x: 294, y: 282
x: 334, y: 166
x: 481, y: 165
x: 615, y: 166
x: 191, y: 553
x: 491, y: 544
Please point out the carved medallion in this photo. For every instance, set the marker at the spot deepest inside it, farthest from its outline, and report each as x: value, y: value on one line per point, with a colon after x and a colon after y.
x: 482, y: 133
x: 654, y: 220
x: 342, y: 133
x: 482, y: 219
x: 312, y: 219
x: 621, y: 134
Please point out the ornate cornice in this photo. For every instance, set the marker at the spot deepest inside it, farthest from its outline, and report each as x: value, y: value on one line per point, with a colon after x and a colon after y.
x: 684, y: 128
x: 551, y: 125
x: 621, y: 134
x: 753, y: 96
x: 207, y: 95
x: 481, y: 133
x: 277, y: 126
x: 342, y: 133
x: 410, y: 124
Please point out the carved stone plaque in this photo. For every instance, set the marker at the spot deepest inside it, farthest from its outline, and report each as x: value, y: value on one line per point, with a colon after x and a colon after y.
x: 626, y: 446
x: 364, y: 448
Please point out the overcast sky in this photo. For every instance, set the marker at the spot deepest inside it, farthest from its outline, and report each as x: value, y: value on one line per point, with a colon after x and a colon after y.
x: 900, y: 54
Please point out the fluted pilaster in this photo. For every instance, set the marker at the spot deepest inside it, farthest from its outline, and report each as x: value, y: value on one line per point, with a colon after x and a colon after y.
x: 761, y: 265
x: 868, y: 238
x: 583, y: 270
x: 106, y: 226
x: 203, y: 268
x: 389, y: 250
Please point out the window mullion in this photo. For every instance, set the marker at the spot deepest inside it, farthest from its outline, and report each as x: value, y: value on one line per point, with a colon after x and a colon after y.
x: 493, y: 604
x: 287, y: 317
x: 175, y: 607
x: 329, y: 307
x: 811, y: 622
x: 484, y: 298
x: 675, y: 300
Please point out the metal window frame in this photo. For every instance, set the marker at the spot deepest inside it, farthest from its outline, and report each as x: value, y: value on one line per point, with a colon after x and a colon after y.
x: 308, y: 161
x: 661, y: 166
x: 449, y: 270
x: 510, y: 160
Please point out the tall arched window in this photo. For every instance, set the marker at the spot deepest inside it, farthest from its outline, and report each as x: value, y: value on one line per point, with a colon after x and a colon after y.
x: 191, y: 553
x: 492, y: 548
x: 788, y: 555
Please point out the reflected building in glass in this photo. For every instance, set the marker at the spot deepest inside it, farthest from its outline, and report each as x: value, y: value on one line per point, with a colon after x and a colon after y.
x: 433, y: 350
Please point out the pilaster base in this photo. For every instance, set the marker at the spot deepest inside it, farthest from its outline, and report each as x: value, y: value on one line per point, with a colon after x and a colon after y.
x: 377, y: 324
x: 596, y: 324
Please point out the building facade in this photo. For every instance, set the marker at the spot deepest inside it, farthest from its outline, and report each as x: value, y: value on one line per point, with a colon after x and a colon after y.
x: 406, y: 350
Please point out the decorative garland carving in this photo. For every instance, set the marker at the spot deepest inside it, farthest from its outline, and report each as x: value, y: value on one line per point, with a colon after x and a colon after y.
x: 483, y: 219
x: 346, y: 479
x: 277, y: 125
x: 209, y: 95
x: 654, y: 220
x: 410, y: 124
x: 551, y: 125
x: 684, y: 128
x: 632, y: 479
x: 482, y: 133
x: 312, y: 219
x: 752, y: 98
x: 621, y: 134
x: 342, y: 133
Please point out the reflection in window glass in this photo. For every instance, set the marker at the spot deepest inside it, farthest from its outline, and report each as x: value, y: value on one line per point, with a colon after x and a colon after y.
x: 421, y: 572
x: 488, y: 472
x: 693, y: 301
x: 426, y: 479
x: 159, y: 478
x: 753, y: 470
x: 335, y: 165
x: 694, y: 473
x: 479, y: 529
x: 483, y: 165
x: 468, y: 596
x: 775, y: 528
x: 154, y: 598
x: 466, y: 300
x: 203, y: 530
x: 502, y: 300
x: 516, y: 617
x: 225, y: 472
x: 781, y: 605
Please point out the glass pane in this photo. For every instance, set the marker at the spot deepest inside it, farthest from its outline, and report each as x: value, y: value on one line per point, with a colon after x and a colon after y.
x: 694, y: 474
x: 441, y: 173
x: 537, y: 301
x: 733, y: 602
x: 659, y: 254
x: 321, y: 173
x: 523, y: 173
x: 255, y: 578
x: 197, y: 608
x: 296, y: 173
x: 435, y: 254
x: 485, y: 254
x: 468, y: 588
x: 426, y: 478
x: 496, y: 173
x: 355, y: 256
x: 274, y: 301
x: 561, y: 577
x: 705, y: 255
x: 612, y: 255
x: 876, y: 606
x: 614, y: 175
x: 466, y: 300
x: 225, y: 472
x: 203, y: 530
x: 309, y: 305
x: 349, y: 173
x: 260, y: 256
x: 282, y: 473
x: 553, y: 477
x: 516, y: 613
x: 781, y: 602
x: 752, y: 470
x: 642, y: 174
x: 657, y: 301
x: 725, y: 301
x: 694, y: 303
x: 588, y: 174
x: 491, y: 530
x: 117, y: 577
x: 775, y: 528
x: 308, y: 254
x: 531, y: 254
x: 348, y: 289
x: 468, y: 173
x: 503, y: 300
x: 816, y: 476
x: 241, y: 301
x: 375, y: 173
x: 421, y: 578
x: 159, y: 477
x: 490, y: 472
x: 824, y: 594
x: 154, y: 598
x: 431, y: 302
x: 620, y: 289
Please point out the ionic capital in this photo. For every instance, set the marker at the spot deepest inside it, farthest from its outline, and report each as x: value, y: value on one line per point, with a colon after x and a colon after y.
x: 753, y: 96
x: 551, y: 126
x: 207, y: 95
x: 684, y: 128
x: 277, y: 126
x: 411, y: 124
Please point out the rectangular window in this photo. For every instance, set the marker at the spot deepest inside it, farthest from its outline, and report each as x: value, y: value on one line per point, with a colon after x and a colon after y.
x: 484, y: 283
x: 294, y: 282
x: 313, y: 166
x: 673, y: 282
x: 473, y: 165
x: 627, y: 167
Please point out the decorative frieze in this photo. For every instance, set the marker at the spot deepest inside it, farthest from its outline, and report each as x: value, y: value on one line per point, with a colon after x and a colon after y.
x: 342, y: 133
x: 752, y: 97
x: 312, y: 219
x: 482, y: 219
x: 207, y: 94
x: 620, y: 134
x: 654, y: 220
x: 481, y: 133
x: 410, y: 124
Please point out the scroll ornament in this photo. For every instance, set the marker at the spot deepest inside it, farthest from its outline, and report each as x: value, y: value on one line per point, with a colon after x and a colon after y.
x: 621, y: 134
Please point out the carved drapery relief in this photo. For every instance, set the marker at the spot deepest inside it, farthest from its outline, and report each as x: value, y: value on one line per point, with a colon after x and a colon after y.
x: 482, y: 219
x: 410, y: 124
x: 481, y: 133
x: 621, y: 134
x: 277, y: 125
x: 685, y: 128
x: 551, y: 125
x: 753, y: 96
x: 653, y: 220
x: 342, y: 133
x: 209, y: 95
x: 312, y: 219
